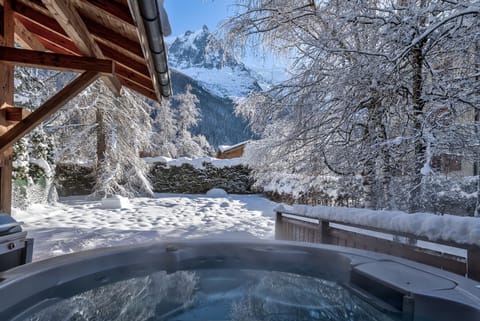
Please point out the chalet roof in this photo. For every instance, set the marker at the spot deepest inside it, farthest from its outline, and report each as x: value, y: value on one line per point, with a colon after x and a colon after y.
x: 128, y: 32
x: 227, y: 148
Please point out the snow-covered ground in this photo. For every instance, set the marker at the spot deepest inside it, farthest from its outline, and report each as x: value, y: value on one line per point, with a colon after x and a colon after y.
x: 80, y: 223
x: 77, y: 223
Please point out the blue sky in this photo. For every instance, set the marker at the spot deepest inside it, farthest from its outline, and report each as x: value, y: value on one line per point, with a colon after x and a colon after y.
x: 193, y: 14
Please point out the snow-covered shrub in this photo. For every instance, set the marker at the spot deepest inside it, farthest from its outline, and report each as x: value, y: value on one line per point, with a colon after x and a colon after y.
x: 320, y: 190
x: 32, y: 170
x: 438, y: 194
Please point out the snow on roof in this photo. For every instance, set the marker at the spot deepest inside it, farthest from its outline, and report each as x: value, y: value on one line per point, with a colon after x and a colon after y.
x: 195, y: 162
x: 459, y: 229
x: 224, y: 148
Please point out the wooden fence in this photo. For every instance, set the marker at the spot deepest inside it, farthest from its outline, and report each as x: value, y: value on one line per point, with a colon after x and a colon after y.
x: 295, y: 227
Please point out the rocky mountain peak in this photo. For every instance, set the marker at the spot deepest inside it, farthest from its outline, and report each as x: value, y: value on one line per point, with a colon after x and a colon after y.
x: 200, y: 49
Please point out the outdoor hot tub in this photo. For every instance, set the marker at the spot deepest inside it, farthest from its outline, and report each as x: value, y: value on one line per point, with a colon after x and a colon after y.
x: 234, y: 280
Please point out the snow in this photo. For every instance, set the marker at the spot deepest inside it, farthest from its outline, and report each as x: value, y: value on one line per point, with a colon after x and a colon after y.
x: 197, y: 163
x: 115, y: 202
x: 460, y: 229
x: 225, y: 82
x: 79, y: 223
x: 200, y: 56
x: 216, y: 192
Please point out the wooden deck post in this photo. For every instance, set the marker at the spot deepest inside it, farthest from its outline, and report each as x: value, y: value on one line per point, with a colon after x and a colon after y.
x: 278, y: 226
x: 6, y: 97
x: 473, y: 262
x: 323, y: 232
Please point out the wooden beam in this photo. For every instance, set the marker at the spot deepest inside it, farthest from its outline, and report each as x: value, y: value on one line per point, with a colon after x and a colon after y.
x: 71, y: 22
x: 69, y: 19
x: 6, y: 71
x: 7, y: 23
x: 39, y: 59
x: 48, y: 108
x: 26, y: 39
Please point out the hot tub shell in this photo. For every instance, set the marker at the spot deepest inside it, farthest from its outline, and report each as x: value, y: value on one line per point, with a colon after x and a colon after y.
x: 417, y: 291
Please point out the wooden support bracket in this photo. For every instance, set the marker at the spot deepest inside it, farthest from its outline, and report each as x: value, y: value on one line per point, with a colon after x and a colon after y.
x: 47, y: 109
x: 13, y: 114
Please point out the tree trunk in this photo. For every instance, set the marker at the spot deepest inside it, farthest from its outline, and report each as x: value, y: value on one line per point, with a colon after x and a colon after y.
x: 476, y: 162
x: 385, y: 166
x: 418, y: 109
x: 101, y: 138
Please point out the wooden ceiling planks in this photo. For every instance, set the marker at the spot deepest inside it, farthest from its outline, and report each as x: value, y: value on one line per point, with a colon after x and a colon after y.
x: 100, y: 14
x: 105, y: 34
x: 110, y: 26
x: 116, y: 10
x: 26, y: 39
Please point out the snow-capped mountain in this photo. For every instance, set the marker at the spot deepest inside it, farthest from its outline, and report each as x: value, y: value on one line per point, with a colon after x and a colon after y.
x: 200, y: 56
x: 218, y: 122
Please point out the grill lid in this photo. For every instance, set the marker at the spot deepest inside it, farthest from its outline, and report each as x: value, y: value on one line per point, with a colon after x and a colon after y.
x: 8, y: 225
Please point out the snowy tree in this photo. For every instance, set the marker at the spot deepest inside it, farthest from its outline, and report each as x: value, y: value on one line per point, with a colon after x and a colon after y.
x: 172, y: 126
x: 187, y: 110
x: 187, y: 116
x: 111, y: 132
x: 163, y: 140
x: 33, y: 154
x: 376, y: 88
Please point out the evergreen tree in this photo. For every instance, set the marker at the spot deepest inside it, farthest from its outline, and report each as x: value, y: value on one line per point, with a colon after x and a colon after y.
x: 164, y: 137
x: 187, y: 116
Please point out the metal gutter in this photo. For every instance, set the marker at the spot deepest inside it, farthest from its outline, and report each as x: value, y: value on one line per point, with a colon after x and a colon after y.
x: 152, y: 26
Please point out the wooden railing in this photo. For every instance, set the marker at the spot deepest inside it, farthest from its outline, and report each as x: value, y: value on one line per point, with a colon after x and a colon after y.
x: 296, y: 227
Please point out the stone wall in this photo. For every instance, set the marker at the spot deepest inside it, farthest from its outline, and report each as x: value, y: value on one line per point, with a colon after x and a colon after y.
x: 74, y: 179
x: 188, y: 179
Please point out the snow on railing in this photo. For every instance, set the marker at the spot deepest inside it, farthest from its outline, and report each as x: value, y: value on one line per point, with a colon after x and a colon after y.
x: 446, y: 241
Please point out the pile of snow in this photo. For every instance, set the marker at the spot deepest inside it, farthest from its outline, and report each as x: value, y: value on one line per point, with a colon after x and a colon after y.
x: 460, y: 229
x: 198, y: 163
x: 115, y: 202
x: 217, y: 192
